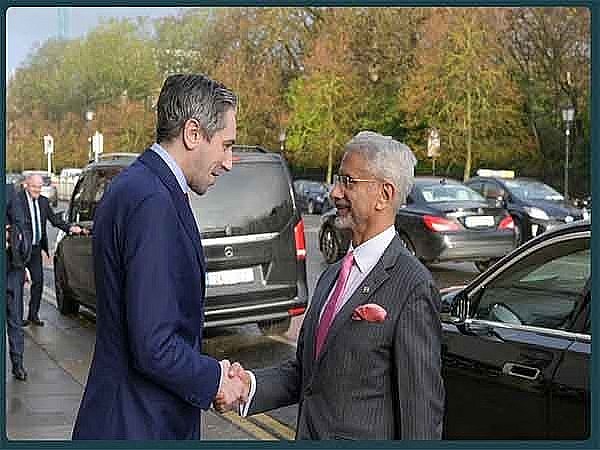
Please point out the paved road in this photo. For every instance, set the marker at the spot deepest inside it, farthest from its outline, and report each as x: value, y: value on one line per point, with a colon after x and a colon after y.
x: 58, y: 355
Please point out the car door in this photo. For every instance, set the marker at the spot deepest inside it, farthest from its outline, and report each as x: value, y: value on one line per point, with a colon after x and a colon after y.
x: 499, y: 365
x: 76, y: 249
x: 79, y: 263
x: 570, y: 396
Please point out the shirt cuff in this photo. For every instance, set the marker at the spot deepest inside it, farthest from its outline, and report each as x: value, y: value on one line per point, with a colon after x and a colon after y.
x: 244, y: 407
x: 222, y: 371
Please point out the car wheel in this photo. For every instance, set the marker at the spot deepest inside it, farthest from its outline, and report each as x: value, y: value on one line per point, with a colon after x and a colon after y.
x: 482, y: 266
x: 275, y: 327
x: 66, y: 303
x: 407, y: 244
x: 330, y: 246
x: 310, y: 209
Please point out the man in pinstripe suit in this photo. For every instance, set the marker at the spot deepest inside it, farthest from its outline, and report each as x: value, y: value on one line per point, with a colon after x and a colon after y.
x: 379, y: 377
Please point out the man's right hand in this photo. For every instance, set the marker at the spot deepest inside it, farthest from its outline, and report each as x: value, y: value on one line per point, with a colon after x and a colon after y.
x: 235, y: 387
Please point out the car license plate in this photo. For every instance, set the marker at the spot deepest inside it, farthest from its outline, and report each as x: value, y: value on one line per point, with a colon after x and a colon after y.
x: 479, y: 221
x: 234, y: 276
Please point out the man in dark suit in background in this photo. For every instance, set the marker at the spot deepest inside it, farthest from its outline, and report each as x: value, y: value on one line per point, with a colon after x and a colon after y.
x: 37, y: 212
x: 149, y: 379
x: 368, y: 362
x: 18, y: 251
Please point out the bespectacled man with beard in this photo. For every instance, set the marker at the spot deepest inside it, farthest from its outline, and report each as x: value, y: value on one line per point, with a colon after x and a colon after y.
x: 368, y: 361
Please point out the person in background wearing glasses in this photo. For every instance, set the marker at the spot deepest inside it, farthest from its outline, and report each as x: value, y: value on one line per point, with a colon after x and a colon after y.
x: 368, y: 361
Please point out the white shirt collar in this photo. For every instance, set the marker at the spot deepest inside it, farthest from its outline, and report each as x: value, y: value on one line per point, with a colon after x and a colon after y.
x: 175, y: 169
x: 369, y: 252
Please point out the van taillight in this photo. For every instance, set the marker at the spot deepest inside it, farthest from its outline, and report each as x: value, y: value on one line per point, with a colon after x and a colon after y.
x: 300, y: 241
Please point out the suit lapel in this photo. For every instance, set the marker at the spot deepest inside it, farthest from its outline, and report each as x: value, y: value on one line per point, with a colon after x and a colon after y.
x: 378, y: 275
x: 152, y: 160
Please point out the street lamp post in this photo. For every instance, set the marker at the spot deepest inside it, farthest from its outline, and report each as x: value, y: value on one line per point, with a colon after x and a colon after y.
x: 89, y: 116
x: 282, y: 137
x: 568, y: 115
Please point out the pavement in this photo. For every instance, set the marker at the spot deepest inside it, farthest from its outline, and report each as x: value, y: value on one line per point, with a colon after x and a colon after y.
x: 57, y: 358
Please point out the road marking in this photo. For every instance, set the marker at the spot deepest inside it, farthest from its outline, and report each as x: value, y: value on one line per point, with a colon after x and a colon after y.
x: 281, y: 429
x: 248, y: 427
x: 282, y: 340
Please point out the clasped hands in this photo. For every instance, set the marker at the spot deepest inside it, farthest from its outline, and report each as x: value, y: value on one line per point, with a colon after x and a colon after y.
x: 235, y: 387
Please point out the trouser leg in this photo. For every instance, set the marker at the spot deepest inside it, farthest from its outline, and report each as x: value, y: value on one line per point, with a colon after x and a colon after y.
x: 14, y: 315
x: 37, y: 283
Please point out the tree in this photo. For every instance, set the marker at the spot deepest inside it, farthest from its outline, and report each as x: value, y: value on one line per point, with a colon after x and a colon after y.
x: 462, y: 87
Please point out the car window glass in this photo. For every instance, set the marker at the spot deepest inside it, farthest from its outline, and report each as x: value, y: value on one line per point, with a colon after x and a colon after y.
x: 448, y: 193
x: 93, y: 191
x: 80, y: 188
x: 492, y: 190
x: 544, y: 289
x: 251, y: 198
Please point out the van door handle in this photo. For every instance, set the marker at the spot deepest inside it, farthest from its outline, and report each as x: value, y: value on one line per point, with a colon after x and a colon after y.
x: 518, y: 370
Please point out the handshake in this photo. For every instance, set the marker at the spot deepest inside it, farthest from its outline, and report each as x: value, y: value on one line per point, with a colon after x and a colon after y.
x: 235, y: 387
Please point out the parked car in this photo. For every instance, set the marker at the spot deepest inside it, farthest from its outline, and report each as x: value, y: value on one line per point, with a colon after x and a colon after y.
x: 516, y: 343
x: 14, y: 178
x: 252, y: 235
x: 534, y: 206
x: 48, y: 188
x: 312, y: 197
x: 442, y: 220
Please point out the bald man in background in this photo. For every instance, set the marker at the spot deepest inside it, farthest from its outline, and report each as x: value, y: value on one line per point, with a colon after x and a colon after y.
x: 37, y: 212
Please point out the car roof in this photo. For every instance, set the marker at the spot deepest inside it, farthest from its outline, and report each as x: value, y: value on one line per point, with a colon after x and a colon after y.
x: 241, y: 153
x: 435, y: 180
x: 502, y: 180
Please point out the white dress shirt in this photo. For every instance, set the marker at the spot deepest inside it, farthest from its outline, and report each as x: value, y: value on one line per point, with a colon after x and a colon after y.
x: 366, y: 256
x: 34, y: 212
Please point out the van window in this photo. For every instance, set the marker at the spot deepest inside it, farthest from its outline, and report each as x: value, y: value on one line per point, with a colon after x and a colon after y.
x: 252, y: 198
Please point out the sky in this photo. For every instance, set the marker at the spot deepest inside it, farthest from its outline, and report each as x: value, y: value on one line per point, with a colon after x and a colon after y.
x: 28, y: 27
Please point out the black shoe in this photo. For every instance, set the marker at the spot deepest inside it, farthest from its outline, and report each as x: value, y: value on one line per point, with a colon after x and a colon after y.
x: 36, y: 322
x: 19, y: 373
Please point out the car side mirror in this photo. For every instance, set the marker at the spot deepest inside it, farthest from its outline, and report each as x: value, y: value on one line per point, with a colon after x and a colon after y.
x: 456, y: 310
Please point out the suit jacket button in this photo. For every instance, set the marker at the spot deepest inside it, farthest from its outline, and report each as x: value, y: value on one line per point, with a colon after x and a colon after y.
x: 308, y: 391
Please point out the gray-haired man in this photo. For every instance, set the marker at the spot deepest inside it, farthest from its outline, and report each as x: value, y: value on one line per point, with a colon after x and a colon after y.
x: 368, y: 364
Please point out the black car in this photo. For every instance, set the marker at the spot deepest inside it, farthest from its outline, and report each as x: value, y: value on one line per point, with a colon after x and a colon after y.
x: 252, y: 235
x: 312, y: 197
x: 516, y: 343
x: 442, y: 220
x: 534, y: 206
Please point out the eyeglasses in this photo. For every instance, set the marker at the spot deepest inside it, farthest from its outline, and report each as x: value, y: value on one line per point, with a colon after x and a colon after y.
x: 346, y: 180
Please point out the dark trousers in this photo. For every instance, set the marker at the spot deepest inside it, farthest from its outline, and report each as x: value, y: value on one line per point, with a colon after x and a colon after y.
x: 14, y: 314
x: 37, y: 282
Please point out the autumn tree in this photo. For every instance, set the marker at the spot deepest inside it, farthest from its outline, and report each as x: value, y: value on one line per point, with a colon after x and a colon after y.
x: 462, y: 87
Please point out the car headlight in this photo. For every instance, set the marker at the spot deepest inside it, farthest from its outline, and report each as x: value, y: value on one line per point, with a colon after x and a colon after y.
x: 536, y: 213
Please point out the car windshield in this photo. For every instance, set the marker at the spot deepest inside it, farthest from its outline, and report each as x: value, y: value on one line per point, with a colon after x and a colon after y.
x: 437, y: 193
x: 532, y: 190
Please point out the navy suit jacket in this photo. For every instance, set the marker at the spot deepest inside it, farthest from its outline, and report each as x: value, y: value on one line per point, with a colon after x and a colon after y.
x: 46, y: 214
x: 148, y: 378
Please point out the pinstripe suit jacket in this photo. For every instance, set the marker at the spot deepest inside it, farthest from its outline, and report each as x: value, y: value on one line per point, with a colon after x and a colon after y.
x: 371, y: 380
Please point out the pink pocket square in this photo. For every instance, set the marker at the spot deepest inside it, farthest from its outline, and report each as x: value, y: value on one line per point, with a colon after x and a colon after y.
x: 371, y: 312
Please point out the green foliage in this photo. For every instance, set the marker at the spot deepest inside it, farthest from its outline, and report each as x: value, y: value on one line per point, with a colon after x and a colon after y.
x: 491, y: 80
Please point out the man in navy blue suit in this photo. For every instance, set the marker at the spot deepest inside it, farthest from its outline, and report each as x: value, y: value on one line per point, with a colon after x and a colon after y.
x: 149, y: 378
